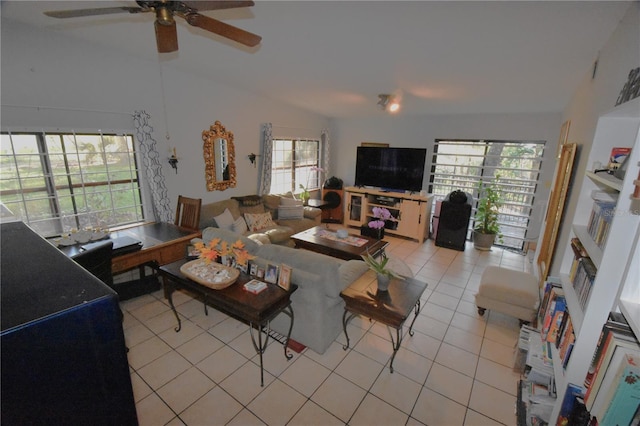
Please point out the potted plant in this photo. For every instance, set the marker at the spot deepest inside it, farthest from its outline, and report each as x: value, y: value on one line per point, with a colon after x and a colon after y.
x: 486, y: 228
x: 384, y: 274
x: 375, y: 227
x: 306, y: 194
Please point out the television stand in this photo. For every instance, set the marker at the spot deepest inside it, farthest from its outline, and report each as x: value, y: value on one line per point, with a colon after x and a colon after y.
x: 412, y: 211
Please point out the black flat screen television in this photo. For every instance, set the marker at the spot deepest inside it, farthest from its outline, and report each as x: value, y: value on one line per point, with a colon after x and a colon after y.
x: 399, y: 169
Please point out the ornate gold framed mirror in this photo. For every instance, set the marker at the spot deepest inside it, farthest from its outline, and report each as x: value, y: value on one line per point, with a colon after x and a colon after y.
x: 219, y: 158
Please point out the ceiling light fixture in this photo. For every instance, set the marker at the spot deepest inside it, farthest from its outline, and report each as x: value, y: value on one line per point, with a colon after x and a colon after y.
x: 388, y: 103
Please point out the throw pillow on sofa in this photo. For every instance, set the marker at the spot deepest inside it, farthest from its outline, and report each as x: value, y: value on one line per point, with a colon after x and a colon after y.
x: 291, y: 212
x: 225, y: 220
x: 258, y: 221
x: 239, y: 226
x: 284, y: 201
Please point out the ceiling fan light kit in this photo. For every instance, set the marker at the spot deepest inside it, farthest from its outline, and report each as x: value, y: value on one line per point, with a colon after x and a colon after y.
x: 388, y: 103
x: 165, y: 24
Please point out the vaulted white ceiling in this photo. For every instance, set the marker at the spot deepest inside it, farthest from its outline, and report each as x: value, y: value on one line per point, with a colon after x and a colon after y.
x: 335, y: 57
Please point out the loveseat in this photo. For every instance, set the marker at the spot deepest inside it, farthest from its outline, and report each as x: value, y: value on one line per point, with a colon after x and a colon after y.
x: 317, y: 305
x: 247, y: 216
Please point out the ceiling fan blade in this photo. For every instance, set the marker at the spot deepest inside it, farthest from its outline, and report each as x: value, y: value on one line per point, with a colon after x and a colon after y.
x: 76, y: 13
x: 217, y: 5
x: 222, y: 29
x: 166, y: 37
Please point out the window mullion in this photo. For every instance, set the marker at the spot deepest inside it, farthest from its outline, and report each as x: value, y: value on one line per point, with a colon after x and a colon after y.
x: 47, y: 169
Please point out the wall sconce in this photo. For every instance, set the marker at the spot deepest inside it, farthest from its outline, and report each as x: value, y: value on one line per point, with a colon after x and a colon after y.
x: 388, y: 103
x: 173, y: 160
x: 252, y: 158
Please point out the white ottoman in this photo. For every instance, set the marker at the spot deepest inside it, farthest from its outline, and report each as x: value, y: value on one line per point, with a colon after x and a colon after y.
x: 510, y: 292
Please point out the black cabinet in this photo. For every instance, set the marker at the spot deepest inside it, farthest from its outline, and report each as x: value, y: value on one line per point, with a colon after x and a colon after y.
x: 63, y: 355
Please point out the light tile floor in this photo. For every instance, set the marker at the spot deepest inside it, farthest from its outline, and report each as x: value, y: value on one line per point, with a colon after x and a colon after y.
x: 455, y: 370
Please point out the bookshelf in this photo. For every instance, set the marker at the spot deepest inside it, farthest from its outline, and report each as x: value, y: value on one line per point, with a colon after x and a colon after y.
x: 615, y: 287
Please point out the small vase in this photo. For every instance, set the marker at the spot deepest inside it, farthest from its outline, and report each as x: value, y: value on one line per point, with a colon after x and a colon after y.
x: 383, y: 282
x: 377, y: 233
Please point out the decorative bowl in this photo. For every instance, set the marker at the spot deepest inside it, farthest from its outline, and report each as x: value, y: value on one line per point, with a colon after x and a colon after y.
x: 210, y: 274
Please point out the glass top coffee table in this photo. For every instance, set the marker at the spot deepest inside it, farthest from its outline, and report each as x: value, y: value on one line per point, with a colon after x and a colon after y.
x: 320, y: 239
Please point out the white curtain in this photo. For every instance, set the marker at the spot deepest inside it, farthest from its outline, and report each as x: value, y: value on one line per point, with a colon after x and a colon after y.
x: 162, y: 211
x: 324, y: 139
x: 264, y: 186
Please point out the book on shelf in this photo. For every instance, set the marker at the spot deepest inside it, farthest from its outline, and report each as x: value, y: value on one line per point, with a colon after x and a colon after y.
x: 619, y: 404
x: 579, y: 252
x: 572, y: 410
x: 617, y: 157
x: 553, y: 315
x: 600, y: 219
x: 551, y: 282
x: 565, y: 341
x: 583, y: 279
x: 557, y: 320
x: 612, y: 346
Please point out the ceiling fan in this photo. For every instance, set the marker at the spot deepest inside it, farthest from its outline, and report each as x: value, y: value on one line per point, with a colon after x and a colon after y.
x: 165, y: 24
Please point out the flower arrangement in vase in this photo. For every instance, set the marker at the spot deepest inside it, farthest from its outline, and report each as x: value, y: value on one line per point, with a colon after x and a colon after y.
x: 383, y: 274
x: 219, y: 248
x: 375, y: 227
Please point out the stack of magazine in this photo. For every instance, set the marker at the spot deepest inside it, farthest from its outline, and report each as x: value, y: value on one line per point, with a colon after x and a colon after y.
x: 538, y: 394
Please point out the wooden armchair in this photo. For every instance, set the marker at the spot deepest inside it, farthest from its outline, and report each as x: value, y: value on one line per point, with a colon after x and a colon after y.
x: 188, y: 213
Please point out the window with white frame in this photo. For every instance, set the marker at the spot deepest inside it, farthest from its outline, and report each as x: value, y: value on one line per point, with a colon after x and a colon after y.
x: 57, y: 182
x: 462, y: 164
x: 295, y: 162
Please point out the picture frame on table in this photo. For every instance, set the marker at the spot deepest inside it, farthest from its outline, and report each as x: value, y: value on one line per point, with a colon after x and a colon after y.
x: 284, y: 281
x: 253, y: 269
x: 260, y: 273
x: 243, y: 268
x: 192, y: 253
x: 271, y: 273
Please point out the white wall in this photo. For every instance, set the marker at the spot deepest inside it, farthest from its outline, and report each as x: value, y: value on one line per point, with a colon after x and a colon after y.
x: 594, y: 97
x: 82, y: 86
x: 420, y: 132
x: 85, y: 86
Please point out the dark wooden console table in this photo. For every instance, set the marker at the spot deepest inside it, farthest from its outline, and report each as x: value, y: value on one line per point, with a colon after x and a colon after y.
x: 256, y: 310
x: 391, y: 307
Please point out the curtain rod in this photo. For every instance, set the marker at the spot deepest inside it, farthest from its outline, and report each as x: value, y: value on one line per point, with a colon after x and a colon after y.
x: 68, y: 109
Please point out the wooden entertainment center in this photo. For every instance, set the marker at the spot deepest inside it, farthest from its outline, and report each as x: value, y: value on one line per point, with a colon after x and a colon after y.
x: 412, y: 211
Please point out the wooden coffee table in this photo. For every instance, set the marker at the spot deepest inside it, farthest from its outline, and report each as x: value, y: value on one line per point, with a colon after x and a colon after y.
x: 391, y: 308
x: 257, y: 310
x: 312, y: 240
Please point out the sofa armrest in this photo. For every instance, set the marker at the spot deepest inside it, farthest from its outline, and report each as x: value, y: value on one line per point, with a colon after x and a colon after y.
x: 312, y: 212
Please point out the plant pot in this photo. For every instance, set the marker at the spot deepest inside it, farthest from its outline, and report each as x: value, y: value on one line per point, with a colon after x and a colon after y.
x: 372, y: 232
x: 483, y: 241
x: 383, y: 282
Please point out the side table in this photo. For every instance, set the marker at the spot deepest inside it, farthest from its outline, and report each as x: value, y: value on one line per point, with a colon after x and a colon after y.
x: 391, y: 308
